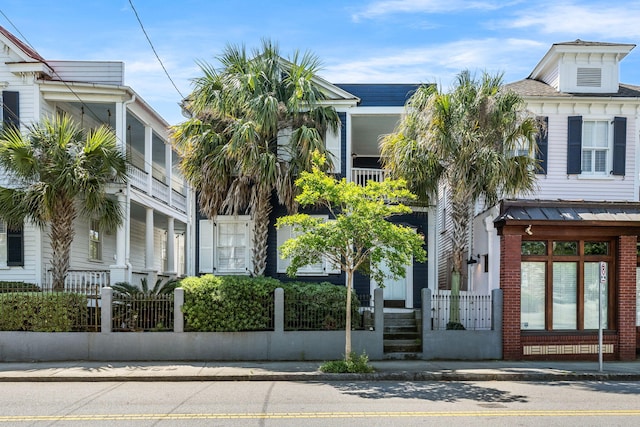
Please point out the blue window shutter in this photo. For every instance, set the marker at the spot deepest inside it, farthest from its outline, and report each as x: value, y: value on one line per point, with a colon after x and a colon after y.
x: 15, y: 247
x: 574, y: 145
x: 542, y: 142
x: 619, y: 144
x: 343, y: 144
x: 11, y: 108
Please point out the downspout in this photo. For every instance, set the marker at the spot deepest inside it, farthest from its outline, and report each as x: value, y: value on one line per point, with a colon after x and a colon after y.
x: 127, y: 231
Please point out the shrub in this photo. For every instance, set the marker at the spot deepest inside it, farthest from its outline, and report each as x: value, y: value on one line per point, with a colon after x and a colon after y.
x: 6, y: 286
x: 354, y: 364
x: 228, y: 303
x: 42, y: 312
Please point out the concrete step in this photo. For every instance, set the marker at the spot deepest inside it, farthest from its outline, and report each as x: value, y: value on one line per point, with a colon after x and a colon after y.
x: 400, y: 329
x: 402, y: 315
x: 401, y: 335
x: 402, y: 356
x: 401, y: 346
x: 400, y: 322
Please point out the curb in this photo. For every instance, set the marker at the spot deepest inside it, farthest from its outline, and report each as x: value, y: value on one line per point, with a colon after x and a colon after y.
x: 319, y: 376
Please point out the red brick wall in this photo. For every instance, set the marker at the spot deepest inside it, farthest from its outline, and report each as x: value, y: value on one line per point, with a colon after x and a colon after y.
x: 626, y: 272
x: 510, y: 285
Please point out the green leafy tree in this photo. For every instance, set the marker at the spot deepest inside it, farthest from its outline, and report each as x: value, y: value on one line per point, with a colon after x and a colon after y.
x: 357, y: 237
x: 57, y: 173
x: 254, y: 124
x: 466, y: 142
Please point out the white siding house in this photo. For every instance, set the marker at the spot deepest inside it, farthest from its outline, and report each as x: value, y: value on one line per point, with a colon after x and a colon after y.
x: 156, y: 201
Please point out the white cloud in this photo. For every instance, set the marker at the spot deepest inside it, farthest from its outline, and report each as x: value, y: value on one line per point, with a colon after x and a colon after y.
x: 440, y: 63
x: 387, y: 7
x: 610, y: 20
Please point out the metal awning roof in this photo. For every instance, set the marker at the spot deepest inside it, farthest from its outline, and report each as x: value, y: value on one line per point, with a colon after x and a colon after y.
x: 563, y: 210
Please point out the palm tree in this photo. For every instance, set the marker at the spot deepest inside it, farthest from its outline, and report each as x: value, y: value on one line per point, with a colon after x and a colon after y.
x: 57, y: 173
x: 466, y: 142
x: 253, y: 128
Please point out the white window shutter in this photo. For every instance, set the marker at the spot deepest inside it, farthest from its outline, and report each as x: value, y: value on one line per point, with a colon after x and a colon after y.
x: 206, y: 246
x: 332, y: 144
x: 283, y: 234
x: 330, y: 267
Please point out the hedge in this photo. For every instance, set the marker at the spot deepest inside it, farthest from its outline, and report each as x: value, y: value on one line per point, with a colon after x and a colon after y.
x: 42, y: 312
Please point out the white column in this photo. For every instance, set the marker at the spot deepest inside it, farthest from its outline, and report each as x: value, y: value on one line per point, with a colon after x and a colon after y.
x: 121, y: 126
x: 171, y: 239
x: 148, y: 250
x: 168, y: 167
x: 148, y: 157
x: 121, y: 234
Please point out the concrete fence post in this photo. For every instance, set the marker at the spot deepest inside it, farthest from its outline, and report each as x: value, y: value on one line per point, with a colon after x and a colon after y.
x: 496, y: 310
x: 378, y: 323
x: 106, y: 295
x: 425, y: 294
x: 278, y: 310
x: 178, y: 315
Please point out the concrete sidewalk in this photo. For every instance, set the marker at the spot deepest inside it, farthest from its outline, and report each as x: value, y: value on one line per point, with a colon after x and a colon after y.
x: 387, y: 370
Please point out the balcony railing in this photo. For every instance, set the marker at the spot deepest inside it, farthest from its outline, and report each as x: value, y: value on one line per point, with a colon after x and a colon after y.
x: 139, y: 179
x: 81, y: 281
x: 361, y: 175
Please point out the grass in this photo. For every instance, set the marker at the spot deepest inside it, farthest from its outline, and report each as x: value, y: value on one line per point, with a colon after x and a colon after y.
x: 354, y: 364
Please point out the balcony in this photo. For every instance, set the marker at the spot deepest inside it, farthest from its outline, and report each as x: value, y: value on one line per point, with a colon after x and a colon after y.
x: 139, y: 179
x: 362, y: 175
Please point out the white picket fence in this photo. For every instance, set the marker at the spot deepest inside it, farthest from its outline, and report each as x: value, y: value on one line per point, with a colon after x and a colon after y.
x: 475, y: 310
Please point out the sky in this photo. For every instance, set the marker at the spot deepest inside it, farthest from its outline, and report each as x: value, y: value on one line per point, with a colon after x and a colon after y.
x: 364, y: 41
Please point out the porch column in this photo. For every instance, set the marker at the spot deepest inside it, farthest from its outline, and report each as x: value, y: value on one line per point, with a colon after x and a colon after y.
x: 168, y: 167
x: 171, y: 239
x: 148, y: 249
x: 148, y: 157
x: 119, y: 268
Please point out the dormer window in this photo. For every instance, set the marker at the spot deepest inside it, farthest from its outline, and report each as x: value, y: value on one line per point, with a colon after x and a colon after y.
x: 589, y: 77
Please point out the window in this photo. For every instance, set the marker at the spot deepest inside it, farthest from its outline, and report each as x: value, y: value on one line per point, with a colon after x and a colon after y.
x: 95, y: 241
x: 225, y: 245
x: 560, y: 281
x: 596, y: 147
x: 11, y: 246
x: 321, y: 268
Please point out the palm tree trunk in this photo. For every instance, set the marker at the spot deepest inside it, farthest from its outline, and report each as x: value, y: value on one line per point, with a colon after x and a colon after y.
x: 261, y: 213
x: 61, y: 235
x: 460, y: 220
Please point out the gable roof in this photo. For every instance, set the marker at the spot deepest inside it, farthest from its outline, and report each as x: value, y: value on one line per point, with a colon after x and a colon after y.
x: 21, y: 47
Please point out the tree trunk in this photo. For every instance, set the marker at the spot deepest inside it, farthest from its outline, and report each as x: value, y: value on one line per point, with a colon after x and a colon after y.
x: 460, y: 223
x: 261, y: 213
x: 61, y: 235
x: 347, y: 335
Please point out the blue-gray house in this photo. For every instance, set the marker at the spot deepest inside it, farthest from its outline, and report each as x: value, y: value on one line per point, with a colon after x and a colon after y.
x: 367, y: 111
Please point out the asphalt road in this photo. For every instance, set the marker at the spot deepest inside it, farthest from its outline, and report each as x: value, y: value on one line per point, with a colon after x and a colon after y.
x: 351, y: 404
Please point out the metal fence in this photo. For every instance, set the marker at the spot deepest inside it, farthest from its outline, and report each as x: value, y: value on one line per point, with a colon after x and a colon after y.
x: 474, y: 310
x: 142, y: 312
x: 311, y: 314
x: 30, y: 308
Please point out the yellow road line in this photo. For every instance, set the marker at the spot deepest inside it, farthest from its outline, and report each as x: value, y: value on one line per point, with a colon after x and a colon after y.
x: 292, y: 415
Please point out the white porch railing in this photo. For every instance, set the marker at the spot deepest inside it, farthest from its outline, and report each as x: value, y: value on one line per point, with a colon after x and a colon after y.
x: 178, y: 201
x: 138, y: 178
x: 361, y: 175
x: 81, y: 281
x: 475, y: 310
x: 160, y: 191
